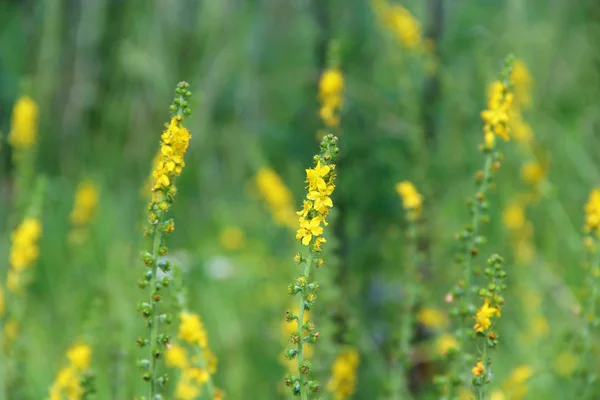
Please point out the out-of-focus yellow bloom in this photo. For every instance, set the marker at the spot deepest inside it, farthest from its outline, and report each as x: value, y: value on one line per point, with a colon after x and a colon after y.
x: 401, y: 22
x: 80, y: 356
x: 592, y: 211
x: 2, y: 302
x: 177, y: 357
x: 24, y: 252
x: 412, y: 200
x: 497, y: 394
x: 522, y: 80
x: 86, y: 202
x: 478, y: 369
x: 565, y: 363
x: 432, y: 318
x: 539, y: 326
x: 191, y: 329
x: 520, y: 129
x: 187, y: 390
x: 331, y: 86
x: 532, y: 172
x: 277, y: 196
x: 514, y: 217
x: 343, y: 375
x: 11, y: 330
x: 497, y: 116
x: 232, y: 238
x: 445, y: 343
x: 24, y: 125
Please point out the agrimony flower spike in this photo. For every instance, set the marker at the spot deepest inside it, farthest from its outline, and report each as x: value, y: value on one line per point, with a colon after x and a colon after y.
x: 174, y: 143
x: 312, y: 218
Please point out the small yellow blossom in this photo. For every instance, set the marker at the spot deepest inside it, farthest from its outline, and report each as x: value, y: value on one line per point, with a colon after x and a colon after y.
x: 177, y: 357
x: 232, y: 238
x: 186, y: 390
x: 308, y: 229
x: 331, y: 86
x: 592, y: 211
x: 24, y: 125
x: 401, y: 22
x: 277, y: 196
x: 86, y: 202
x: 522, y: 80
x: 24, y: 249
x: 411, y: 199
x: 497, y: 115
x: 80, y: 356
x: 532, y: 172
x: 478, y: 369
x: 432, y: 318
x: 174, y: 143
x: 514, y: 217
x: 445, y: 343
x: 191, y: 329
x: 483, y: 317
x: 343, y: 375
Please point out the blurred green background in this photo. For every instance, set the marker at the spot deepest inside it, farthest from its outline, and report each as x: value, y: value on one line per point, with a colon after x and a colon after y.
x: 103, y: 72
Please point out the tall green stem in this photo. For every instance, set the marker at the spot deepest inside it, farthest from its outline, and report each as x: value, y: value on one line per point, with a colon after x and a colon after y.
x: 307, y: 268
x: 153, y: 321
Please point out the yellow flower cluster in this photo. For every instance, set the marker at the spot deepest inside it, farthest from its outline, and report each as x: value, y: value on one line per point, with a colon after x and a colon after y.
x: 478, y: 369
x: 24, y: 251
x: 24, y: 125
x: 86, y: 202
x: 592, y: 211
x: 412, y: 200
x: 483, y: 317
x: 68, y: 381
x: 277, y: 196
x: 174, y: 143
x: 521, y: 230
x: 314, y: 212
x: 343, y: 375
x: 196, y: 370
x: 521, y: 79
x: 401, y: 23
x: 497, y: 116
x: 331, y: 86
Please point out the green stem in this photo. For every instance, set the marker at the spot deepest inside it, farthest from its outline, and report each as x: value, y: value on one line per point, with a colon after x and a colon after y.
x: 588, y: 340
x: 300, y: 321
x: 484, y: 361
x: 153, y: 306
x: 468, y: 265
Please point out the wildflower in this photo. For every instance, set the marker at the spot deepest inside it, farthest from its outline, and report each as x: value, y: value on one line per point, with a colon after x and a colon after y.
x: 411, y: 199
x: 191, y: 329
x: 177, y: 357
x: 532, y: 172
x: 232, y: 238
x: 308, y: 229
x: 483, y: 317
x: 72, y: 380
x: 186, y: 390
x: 331, y: 86
x: 496, y: 117
x: 175, y: 141
x: 343, y: 375
x: 432, y: 318
x: 80, y: 356
x: 321, y: 198
x: 24, y: 251
x: 592, y: 211
x: 277, y: 196
x: 522, y: 80
x: 24, y: 125
x: 445, y: 343
x: 401, y: 22
x: 86, y: 202
x: 478, y: 369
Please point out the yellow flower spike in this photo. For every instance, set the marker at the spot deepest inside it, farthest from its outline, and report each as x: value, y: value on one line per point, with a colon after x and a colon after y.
x: 80, y: 356
x: 592, y: 211
x: 187, y: 391
x: 177, y: 357
x: 342, y: 383
x: 532, y: 172
x: 478, y: 369
x: 191, y: 329
x: 445, y: 343
x: 24, y: 125
x: 483, y: 317
x: 277, y: 196
x: 331, y: 86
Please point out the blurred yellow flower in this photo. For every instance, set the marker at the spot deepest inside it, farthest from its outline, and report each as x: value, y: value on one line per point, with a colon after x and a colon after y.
x: 80, y: 356
x: 412, y: 200
x: 2, y: 302
x: 192, y: 330
x: 277, y: 196
x: 86, y: 202
x: 483, y: 317
x: 592, y: 211
x: 478, y: 369
x: 24, y: 250
x: 331, y: 86
x: 432, y: 318
x: 401, y: 22
x: 539, y: 326
x: 532, y: 172
x: 11, y: 329
x: 24, y: 125
x: 565, y: 363
x: 521, y: 374
x: 198, y: 375
x: 232, y: 238
x: 343, y: 375
x: 496, y: 117
x: 445, y: 343
x: 514, y: 217
x: 497, y: 394
x: 521, y: 79
x: 186, y: 390
x: 177, y: 357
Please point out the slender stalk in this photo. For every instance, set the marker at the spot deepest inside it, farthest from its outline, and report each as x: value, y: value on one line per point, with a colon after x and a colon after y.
x: 307, y: 268
x: 484, y: 360
x: 153, y: 321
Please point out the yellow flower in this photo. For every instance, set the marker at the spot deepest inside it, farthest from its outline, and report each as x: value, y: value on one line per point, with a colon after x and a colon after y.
x: 565, y: 363
x: 403, y: 24
x: 532, y: 172
x: 521, y: 374
x: 592, y: 211
x: 24, y: 125
x: 80, y: 356
x: 11, y: 329
x: 496, y: 117
x: 175, y: 141
x: 198, y: 375
x: 232, y: 238
x: 331, y: 86
x: 277, y: 196
x: 478, y: 369
x: 186, y: 390
x: 308, y: 229
x: 191, y: 329
x: 315, y: 177
x: 321, y: 198
x: 343, y: 375
x: 497, y: 395
x: 521, y: 79
x: 483, y: 317
x: 24, y: 249
x: 2, y: 302
x: 514, y: 217
x: 411, y: 199
x: 432, y: 318
x: 177, y: 357
x: 218, y: 394
x: 445, y: 343
x: 86, y: 202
